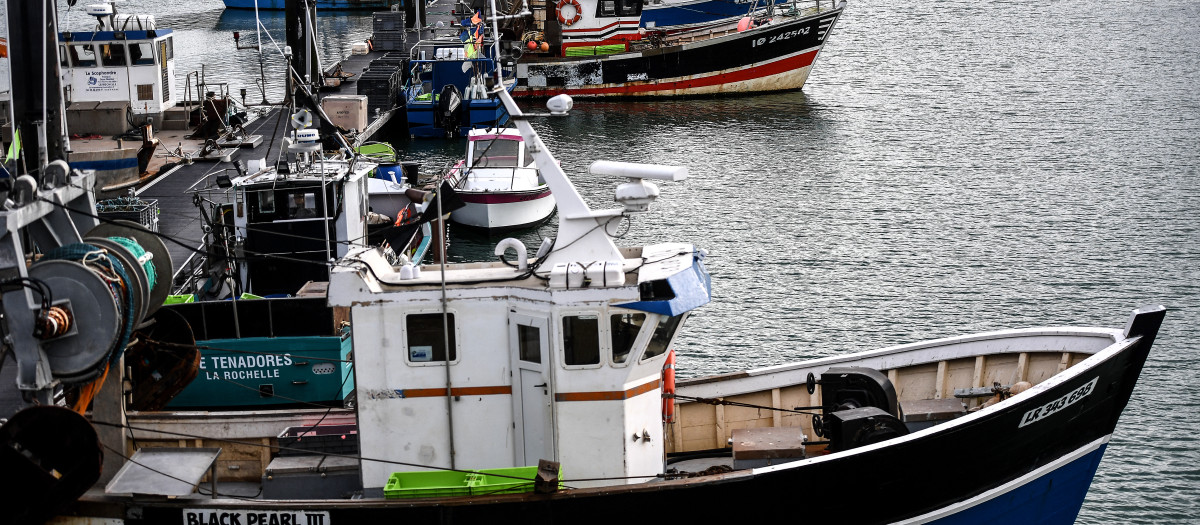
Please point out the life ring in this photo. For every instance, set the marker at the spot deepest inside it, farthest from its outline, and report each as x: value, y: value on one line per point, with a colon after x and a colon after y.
x: 572, y: 3
x: 668, y: 388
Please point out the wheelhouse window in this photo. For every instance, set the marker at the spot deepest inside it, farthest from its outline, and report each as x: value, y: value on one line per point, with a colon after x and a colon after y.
x: 500, y: 153
x: 581, y: 339
x: 141, y: 54
x: 302, y: 205
x: 619, y: 8
x: 266, y: 201
x: 427, y: 338
x: 663, y: 334
x: 83, y: 55
x: 624, y: 329
x: 269, y: 203
x: 113, y: 55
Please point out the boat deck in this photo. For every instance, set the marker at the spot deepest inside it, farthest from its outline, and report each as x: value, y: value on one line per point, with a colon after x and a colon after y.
x: 179, y: 219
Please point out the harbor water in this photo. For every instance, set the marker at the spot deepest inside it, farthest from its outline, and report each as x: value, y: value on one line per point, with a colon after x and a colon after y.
x: 950, y: 167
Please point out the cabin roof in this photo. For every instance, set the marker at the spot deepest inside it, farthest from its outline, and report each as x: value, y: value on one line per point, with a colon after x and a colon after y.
x: 96, y: 36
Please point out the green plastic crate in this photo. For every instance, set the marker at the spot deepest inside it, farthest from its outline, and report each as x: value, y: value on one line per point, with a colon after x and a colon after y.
x: 429, y: 484
x: 504, y: 480
x: 177, y: 299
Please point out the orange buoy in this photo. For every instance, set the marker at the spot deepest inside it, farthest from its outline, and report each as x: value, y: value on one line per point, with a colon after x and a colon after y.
x: 545, y: 46
x: 668, y: 388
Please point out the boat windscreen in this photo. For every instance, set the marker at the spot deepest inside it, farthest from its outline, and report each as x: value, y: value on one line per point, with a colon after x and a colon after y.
x: 495, y: 153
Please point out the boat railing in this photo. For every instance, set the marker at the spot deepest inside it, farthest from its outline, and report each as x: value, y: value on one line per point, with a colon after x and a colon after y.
x: 187, y: 278
x: 788, y: 8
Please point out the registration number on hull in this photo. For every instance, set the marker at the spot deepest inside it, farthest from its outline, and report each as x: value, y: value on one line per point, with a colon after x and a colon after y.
x: 1053, y: 407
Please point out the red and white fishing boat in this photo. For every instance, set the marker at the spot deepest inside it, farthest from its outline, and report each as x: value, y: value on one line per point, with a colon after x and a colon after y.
x: 499, y: 184
x: 595, y: 48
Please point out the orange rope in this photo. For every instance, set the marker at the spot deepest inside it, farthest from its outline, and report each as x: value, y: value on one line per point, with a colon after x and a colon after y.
x: 89, y: 391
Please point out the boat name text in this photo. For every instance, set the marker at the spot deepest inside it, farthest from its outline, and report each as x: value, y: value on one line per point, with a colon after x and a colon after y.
x: 235, y: 367
x: 780, y: 37
x: 238, y: 517
x: 1053, y: 407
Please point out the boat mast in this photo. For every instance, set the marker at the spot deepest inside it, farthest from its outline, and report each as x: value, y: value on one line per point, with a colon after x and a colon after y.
x: 301, y: 20
x: 38, y: 109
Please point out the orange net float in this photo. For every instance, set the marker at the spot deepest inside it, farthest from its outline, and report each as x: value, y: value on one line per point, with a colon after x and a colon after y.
x: 578, y: 11
x: 668, y: 388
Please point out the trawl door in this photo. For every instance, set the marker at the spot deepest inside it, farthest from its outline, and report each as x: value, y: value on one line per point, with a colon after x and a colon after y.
x: 529, y: 339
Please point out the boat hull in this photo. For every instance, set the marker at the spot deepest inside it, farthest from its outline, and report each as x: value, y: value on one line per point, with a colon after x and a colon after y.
x: 775, y: 57
x: 478, y: 113
x: 1029, y: 459
x: 504, y: 210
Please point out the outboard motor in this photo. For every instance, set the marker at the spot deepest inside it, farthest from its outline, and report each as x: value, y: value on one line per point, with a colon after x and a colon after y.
x: 859, y: 408
x: 449, y: 110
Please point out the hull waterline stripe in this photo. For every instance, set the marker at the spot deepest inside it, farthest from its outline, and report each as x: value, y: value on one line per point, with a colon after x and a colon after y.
x: 742, y: 74
x: 459, y: 391
x: 501, y: 197
x: 618, y: 395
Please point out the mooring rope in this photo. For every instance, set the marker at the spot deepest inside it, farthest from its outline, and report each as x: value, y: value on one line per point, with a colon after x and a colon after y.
x: 139, y: 253
x: 106, y: 266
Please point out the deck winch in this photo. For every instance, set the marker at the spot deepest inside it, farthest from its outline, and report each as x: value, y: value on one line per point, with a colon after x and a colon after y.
x: 858, y: 408
x: 71, y: 313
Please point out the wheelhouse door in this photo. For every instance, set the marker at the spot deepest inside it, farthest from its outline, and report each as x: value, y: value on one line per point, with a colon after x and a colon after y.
x: 532, y: 392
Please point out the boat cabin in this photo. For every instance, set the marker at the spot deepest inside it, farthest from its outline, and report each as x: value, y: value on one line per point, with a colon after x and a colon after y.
x: 127, y: 61
x: 448, y: 87
x: 286, y: 222
x: 585, y: 28
x: 520, y: 368
x: 502, y: 364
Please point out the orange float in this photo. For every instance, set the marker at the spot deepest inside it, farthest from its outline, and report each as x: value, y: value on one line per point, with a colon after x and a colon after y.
x: 668, y: 388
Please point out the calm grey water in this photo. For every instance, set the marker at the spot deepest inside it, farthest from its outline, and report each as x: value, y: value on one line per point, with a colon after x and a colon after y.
x: 951, y: 167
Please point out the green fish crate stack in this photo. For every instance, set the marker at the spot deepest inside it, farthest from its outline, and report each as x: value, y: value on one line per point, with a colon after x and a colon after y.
x: 429, y: 484
x: 440, y: 483
x: 585, y: 51
x: 512, y: 480
x: 144, y: 212
x: 388, y: 30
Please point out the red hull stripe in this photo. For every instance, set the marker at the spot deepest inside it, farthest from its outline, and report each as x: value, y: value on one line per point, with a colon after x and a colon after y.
x: 633, y: 23
x: 743, y: 74
x: 501, y: 198
x: 494, y: 137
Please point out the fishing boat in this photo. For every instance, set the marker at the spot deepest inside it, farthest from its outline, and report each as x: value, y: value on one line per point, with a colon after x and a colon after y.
x: 118, y: 76
x: 499, y: 184
x: 596, y: 48
x: 541, y: 387
x: 450, y: 82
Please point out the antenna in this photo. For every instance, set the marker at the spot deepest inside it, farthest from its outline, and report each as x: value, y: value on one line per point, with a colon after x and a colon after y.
x: 101, y: 12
